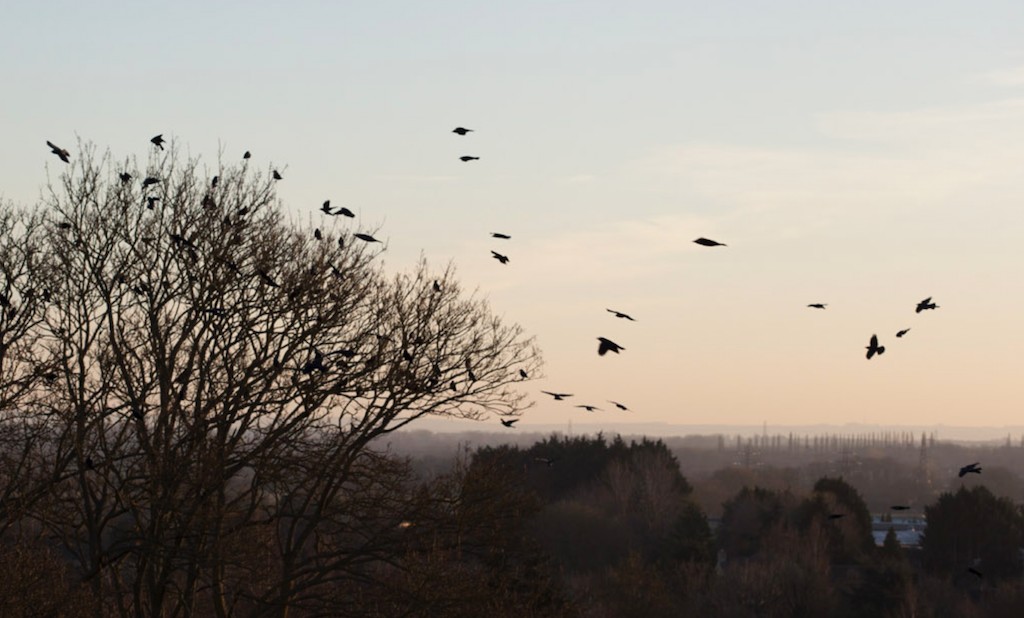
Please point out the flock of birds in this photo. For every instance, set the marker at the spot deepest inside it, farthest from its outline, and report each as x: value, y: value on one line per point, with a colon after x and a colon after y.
x: 605, y: 345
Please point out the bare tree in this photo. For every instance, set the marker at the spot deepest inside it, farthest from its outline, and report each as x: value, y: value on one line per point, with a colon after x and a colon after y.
x: 218, y: 378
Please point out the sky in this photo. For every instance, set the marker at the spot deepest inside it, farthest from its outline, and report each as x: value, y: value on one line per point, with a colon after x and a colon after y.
x: 866, y: 155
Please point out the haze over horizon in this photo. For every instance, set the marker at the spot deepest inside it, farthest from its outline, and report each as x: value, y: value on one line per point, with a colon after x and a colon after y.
x: 861, y: 157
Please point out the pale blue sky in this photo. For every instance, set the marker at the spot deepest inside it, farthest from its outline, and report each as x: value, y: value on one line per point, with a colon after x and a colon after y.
x: 862, y: 154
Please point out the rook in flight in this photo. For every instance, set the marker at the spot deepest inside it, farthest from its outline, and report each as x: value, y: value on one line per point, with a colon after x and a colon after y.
x: 326, y: 207
x: 64, y: 155
x: 818, y: 305
x: 874, y: 348
x: 345, y: 212
x: 925, y: 305
x: 468, y: 158
x: 557, y: 396
x: 461, y: 130
x: 366, y: 237
x: 149, y: 181
x: 125, y: 177
x: 619, y: 405
x: 589, y: 408
x: 970, y: 468
x: 619, y: 314
x: 607, y: 345
x: 158, y: 141
x: 509, y: 422
x: 902, y: 332
x: 707, y: 242
x: 501, y: 258
x: 500, y: 235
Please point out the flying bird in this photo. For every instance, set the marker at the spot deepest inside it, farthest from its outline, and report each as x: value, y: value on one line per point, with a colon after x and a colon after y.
x: 366, y: 237
x: 607, y: 345
x: 619, y: 314
x: 468, y: 158
x: 277, y: 175
x: 618, y: 405
x: 707, y: 242
x: 345, y: 212
x: 125, y: 177
x: 500, y: 235
x: 874, y: 348
x: 501, y: 258
x: 509, y: 422
x: 902, y: 332
x: 461, y: 130
x: 900, y: 507
x: 925, y: 305
x: 64, y: 155
x: 969, y: 469
x: 158, y: 141
x: 150, y: 180
x: 836, y: 515
x: 974, y: 571
x: 818, y: 305
x: 326, y: 207
x: 589, y: 408
x: 557, y: 396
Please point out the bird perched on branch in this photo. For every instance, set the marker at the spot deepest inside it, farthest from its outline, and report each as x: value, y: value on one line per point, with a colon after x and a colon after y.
x: 619, y: 314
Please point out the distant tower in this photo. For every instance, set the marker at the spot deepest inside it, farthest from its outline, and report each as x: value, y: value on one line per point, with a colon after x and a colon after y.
x: 923, y: 469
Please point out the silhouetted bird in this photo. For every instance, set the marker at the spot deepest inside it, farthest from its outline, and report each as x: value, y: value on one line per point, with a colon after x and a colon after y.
x: 158, y: 141
x: 975, y: 572
x: 523, y: 374
x: 510, y: 422
x: 874, y: 348
x: 607, y: 345
x: 902, y: 332
x: 707, y: 242
x: 818, y: 305
x: 836, y: 515
x: 345, y: 212
x: 589, y: 408
x: 437, y: 286
x: 461, y: 131
x: 64, y: 155
x: 970, y: 469
x: 366, y: 237
x: 500, y: 235
x: 557, y: 396
x: 326, y: 207
x: 247, y: 155
x: 89, y: 465
x: 925, y: 305
x: 501, y: 258
x: 151, y: 202
x: 468, y: 158
x: 317, y: 235
x: 341, y: 242
x: 214, y: 182
x: 125, y: 177
x: 150, y: 180
x: 619, y: 314
x: 618, y: 405
x: 900, y: 507
x: 277, y: 175
x: 317, y: 362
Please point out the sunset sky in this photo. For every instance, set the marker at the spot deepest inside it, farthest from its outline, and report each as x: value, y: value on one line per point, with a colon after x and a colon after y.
x: 866, y: 155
